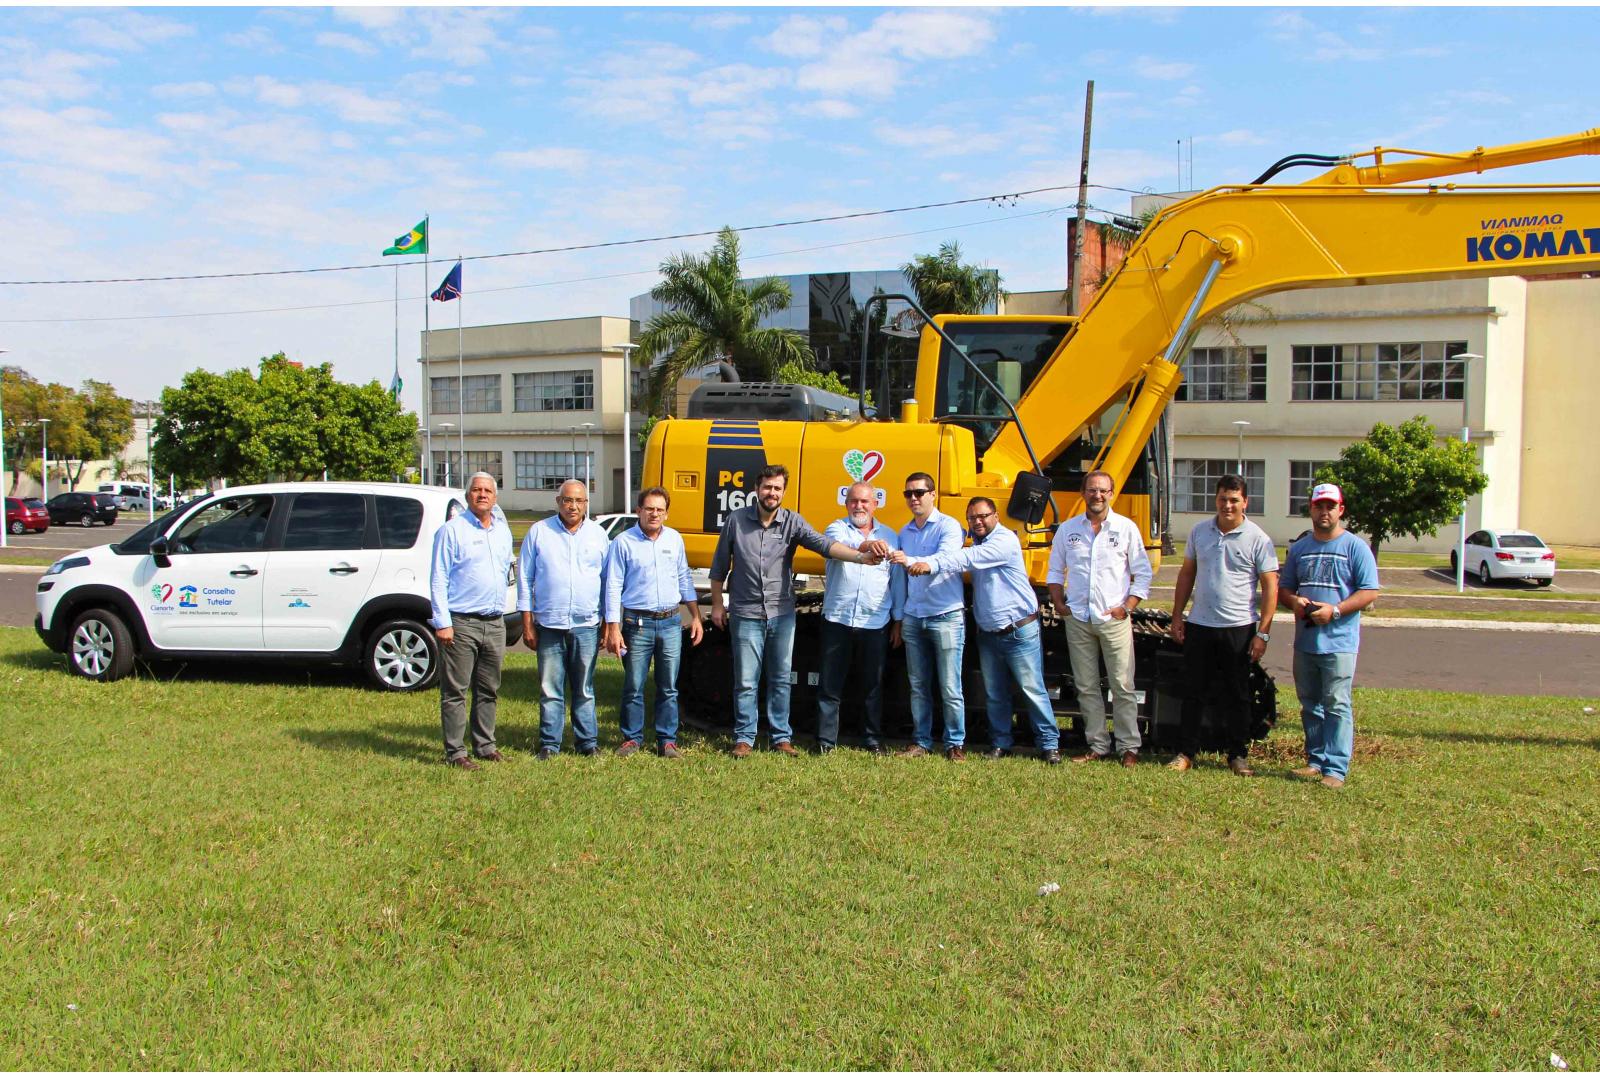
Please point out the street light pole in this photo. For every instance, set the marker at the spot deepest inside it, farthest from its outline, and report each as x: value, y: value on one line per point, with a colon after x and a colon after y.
x: 1466, y: 359
x: 149, y: 466
x: 1239, y: 426
x: 588, y: 459
x: 627, y: 424
x: 446, y: 425
x: 44, y: 453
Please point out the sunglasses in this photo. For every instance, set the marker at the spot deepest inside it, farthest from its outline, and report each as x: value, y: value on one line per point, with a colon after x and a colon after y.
x: 916, y: 493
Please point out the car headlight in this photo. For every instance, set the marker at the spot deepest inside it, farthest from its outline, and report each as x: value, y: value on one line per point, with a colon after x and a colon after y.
x: 63, y: 565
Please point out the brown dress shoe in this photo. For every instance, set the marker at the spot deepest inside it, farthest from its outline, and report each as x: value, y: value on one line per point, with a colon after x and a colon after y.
x: 741, y: 750
x: 786, y: 747
x: 956, y: 753
x: 1130, y: 759
x: 465, y: 764
x: 670, y: 750
x: 1089, y: 755
x: 492, y: 755
x: 1240, y: 766
x: 1306, y: 772
x: 1332, y: 782
x: 914, y: 750
x: 1181, y: 763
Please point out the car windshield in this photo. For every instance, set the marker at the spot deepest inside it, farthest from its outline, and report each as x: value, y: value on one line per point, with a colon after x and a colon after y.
x: 139, y: 542
x: 1520, y: 540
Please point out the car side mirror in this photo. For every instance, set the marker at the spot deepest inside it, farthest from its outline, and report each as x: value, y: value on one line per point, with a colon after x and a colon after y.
x: 161, y: 551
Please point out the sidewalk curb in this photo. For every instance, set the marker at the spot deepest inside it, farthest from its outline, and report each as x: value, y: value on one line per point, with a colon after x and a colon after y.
x: 1484, y: 624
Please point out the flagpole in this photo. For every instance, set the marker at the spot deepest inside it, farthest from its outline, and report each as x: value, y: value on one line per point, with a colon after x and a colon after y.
x: 461, y: 379
x: 427, y: 372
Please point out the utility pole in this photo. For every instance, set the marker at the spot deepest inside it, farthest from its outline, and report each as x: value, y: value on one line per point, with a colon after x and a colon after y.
x: 1076, y: 299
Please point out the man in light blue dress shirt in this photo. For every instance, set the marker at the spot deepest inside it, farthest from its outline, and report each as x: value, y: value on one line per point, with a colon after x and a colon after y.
x: 1006, y: 609
x: 647, y: 577
x: 558, y: 593
x: 467, y: 587
x: 934, y: 626
x: 861, y: 611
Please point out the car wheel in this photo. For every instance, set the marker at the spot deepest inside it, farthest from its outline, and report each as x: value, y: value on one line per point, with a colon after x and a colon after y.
x: 1484, y: 577
x: 401, y: 656
x: 99, y: 646
x: 87, y: 521
x: 17, y: 528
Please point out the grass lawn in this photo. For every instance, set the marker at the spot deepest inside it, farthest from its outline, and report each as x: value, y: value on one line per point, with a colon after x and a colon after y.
x: 246, y: 870
x: 18, y: 558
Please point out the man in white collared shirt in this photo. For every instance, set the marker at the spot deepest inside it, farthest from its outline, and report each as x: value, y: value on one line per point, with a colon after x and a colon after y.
x: 1097, y: 560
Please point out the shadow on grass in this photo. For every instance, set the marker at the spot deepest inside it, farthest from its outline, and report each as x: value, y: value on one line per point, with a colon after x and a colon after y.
x: 410, y: 742
x: 1560, y: 742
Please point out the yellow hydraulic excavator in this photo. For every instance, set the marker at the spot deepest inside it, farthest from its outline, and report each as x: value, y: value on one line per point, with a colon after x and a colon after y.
x: 1018, y: 408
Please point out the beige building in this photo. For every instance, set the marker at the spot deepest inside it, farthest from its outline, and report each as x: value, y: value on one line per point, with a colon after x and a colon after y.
x: 1298, y: 375
x: 533, y: 404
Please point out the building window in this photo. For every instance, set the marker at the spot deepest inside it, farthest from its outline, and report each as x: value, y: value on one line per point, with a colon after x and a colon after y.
x: 1194, y: 483
x: 1235, y: 373
x: 476, y: 461
x: 1302, y: 475
x: 553, y: 391
x: 1407, y: 371
x: 483, y: 394
x: 544, y: 470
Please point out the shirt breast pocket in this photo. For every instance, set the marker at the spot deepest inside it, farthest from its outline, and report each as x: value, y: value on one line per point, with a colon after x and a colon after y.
x: 592, y: 561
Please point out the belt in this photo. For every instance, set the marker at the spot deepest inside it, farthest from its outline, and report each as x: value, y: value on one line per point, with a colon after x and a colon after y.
x: 483, y: 616
x: 1014, y: 627
x: 638, y: 613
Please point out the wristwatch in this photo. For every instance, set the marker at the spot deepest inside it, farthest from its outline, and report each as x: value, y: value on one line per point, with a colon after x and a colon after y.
x: 1263, y: 637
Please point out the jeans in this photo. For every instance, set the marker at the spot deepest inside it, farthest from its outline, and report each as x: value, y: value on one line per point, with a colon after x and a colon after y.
x: 846, y: 650
x: 1112, y: 641
x: 645, y: 638
x: 1322, y: 681
x: 934, y: 644
x: 473, y: 658
x: 1015, y: 658
x: 761, y: 645
x: 1216, y: 669
x: 566, y: 662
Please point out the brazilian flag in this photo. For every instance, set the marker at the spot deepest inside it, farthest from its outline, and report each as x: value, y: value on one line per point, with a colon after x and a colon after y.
x: 414, y: 242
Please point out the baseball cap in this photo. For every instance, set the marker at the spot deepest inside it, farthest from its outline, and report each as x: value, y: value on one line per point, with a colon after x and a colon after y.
x: 1329, y: 492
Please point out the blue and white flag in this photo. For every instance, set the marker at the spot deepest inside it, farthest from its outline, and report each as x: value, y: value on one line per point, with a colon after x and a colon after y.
x: 450, y: 288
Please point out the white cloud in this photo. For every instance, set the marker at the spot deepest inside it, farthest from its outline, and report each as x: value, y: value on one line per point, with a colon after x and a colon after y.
x: 724, y: 20
x: 348, y: 103
x: 804, y: 35
x: 87, y: 192
x: 168, y: 91
x: 348, y: 42
x: 1320, y: 45
x: 32, y: 75
x: 731, y: 84
x: 464, y: 37
x: 1236, y: 137
x: 873, y: 62
x: 127, y: 31
x: 257, y: 39
x: 933, y: 35
x: 828, y: 109
x: 1149, y: 67
x: 563, y: 158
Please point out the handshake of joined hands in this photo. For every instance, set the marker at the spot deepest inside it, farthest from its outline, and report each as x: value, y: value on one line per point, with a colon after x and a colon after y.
x: 877, y: 551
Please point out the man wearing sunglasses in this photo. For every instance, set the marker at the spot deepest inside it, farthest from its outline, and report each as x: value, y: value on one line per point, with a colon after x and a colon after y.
x: 1006, y: 609
x: 934, y: 625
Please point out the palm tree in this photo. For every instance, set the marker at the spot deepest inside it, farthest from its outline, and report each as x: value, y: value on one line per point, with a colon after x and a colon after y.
x: 712, y: 316
x: 944, y: 286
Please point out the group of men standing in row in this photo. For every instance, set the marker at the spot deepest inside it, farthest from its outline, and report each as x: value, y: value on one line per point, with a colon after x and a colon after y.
x: 579, y: 592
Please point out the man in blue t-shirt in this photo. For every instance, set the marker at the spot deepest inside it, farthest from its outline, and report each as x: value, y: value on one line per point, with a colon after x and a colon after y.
x: 1328, y: 577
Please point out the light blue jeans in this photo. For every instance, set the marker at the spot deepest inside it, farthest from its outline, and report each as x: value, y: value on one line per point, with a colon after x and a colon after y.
x: 566, y: 664
x: 933, y: 650
x: 761, y: 646
x: 1017, y: 659
x: 1322, y: 682
x: 647, y: 638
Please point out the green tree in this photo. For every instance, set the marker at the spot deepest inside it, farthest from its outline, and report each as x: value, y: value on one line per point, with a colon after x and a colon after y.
x: 712, y: 316
x: 801, y: 375
x: 946, y: 286
x: 73, y: 441
x: 289, y: 422
x: 105, y: 428
x: 1400, y: 481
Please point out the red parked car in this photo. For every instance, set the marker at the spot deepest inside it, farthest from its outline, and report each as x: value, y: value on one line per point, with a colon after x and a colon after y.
x: 26, y: 515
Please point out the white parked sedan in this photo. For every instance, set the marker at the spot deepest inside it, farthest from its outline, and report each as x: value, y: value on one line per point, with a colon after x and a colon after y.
x: 1495, y: 555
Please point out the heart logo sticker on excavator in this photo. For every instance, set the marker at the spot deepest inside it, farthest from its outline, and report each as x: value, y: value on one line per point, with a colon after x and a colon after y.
x: 863, y: 465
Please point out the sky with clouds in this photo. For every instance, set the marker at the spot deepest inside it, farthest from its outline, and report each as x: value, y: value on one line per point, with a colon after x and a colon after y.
x: 174, y: 141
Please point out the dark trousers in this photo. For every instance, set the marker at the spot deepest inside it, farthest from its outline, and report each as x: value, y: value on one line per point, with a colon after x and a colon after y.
x: 1216, y: 668
x: 843, y: 650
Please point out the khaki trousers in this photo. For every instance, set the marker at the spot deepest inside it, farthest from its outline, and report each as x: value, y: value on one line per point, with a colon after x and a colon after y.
x: 1088, y: 644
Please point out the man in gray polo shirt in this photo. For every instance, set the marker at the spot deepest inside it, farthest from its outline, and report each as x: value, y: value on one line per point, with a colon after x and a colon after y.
x: 1231, y: 569
x: 757, y: 546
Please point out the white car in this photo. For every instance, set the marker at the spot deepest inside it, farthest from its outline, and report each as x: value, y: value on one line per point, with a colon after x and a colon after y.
x: 1495, y: 555
x: 307, y: 573
x: 615, y: 524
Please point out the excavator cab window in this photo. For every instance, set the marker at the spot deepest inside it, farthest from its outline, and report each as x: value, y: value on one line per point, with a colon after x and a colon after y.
x: 1012, y: 354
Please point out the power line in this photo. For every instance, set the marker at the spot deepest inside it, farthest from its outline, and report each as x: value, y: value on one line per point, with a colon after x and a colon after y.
x: 515, y: 288
x: 1000, y: 199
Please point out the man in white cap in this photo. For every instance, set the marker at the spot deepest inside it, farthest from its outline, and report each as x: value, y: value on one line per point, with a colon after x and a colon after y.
x: 1328, y: 577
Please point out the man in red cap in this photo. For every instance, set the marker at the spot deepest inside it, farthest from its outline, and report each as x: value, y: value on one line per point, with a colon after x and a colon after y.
x: 1327, y: 578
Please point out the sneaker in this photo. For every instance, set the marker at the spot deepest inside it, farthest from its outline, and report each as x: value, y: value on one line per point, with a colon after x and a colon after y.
x: 1306, y: 772
x: 1181, y: 763
x: 1240, y: 766
x: 629, y: 748
x: 741, y: 750
x: 1335, y: 782
x: 955, y: 753
x: 915, y: 750
x: 670, y: 750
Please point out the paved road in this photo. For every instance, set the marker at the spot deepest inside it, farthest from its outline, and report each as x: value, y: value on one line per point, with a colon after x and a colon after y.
x: 1476, y: 661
